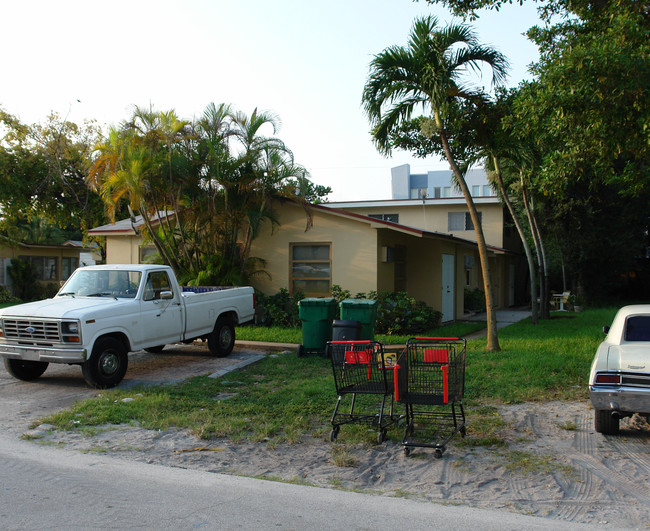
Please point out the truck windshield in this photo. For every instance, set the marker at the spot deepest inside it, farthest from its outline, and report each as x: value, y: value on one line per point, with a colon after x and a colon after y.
x: 102, y: 283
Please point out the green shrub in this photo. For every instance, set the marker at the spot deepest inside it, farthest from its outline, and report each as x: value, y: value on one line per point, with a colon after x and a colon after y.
x: 474, y: 300
x: 280, y: 309
x: 24, y: 278
x: 6, y: 297
x: 398, y: 313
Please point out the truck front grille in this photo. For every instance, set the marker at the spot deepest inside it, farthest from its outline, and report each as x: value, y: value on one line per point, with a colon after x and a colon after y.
x: 27, y: 330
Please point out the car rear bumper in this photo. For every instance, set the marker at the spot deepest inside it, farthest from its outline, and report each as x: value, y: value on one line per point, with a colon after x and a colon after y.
x: 620, y: 398
x: 47, y: 354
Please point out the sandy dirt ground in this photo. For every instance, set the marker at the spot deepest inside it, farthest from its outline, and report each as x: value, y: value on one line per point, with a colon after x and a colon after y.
x: 554, y: 465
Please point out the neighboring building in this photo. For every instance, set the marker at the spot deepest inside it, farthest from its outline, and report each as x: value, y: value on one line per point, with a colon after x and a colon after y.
x: 447, y: 213
x: 54, y: 263
x: 437, y: 184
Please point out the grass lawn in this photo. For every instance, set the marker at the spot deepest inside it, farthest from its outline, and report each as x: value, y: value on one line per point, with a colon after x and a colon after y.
x: 283, y: 398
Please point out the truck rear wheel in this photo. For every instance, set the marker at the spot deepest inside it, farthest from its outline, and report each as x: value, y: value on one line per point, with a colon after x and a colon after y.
x: 222, y: 339
x: 107, y: 364
x: 25, y: 370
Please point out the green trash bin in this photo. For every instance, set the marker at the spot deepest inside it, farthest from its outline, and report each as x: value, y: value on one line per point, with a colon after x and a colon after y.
x: 364, y: 311
x: 316, y: 315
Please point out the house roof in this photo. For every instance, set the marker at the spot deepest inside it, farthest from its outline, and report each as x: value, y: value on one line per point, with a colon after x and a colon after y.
x: 24, y: 245
x: 127, y: 226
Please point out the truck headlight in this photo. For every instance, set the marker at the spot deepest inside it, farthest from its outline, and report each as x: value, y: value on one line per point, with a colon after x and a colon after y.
x: 70, y: 332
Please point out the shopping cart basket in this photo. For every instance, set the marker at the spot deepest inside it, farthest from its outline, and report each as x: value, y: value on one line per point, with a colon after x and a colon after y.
x: 360, y: 369
x: 429, y: 379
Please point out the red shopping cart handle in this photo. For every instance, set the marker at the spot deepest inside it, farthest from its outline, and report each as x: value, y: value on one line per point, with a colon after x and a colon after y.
x: 396, y: 369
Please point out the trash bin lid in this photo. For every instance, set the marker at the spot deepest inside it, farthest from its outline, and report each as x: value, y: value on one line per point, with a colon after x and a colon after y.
x: 316, y: 301
x: 345, y: 323
x: 359, y: 302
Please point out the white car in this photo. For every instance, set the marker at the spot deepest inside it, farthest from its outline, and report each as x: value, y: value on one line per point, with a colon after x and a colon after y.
x: 619, y: 382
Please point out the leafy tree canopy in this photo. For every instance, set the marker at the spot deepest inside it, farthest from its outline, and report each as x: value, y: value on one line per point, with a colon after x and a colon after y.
x: 42, y: 177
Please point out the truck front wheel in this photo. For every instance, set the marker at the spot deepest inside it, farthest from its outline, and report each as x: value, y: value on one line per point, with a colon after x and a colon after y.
x: 24, y: 369
x: 222, y: 339
x: 107, y: 364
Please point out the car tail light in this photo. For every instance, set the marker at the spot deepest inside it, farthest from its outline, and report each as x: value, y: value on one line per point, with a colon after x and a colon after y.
x: 605, y: 378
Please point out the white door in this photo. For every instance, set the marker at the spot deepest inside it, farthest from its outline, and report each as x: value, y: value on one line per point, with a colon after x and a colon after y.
x: 447, y: 287
x: 160, y: 318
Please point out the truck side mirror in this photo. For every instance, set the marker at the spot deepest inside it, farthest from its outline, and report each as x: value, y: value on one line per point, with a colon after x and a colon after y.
x: 166, y: 295
x: 605, y: 329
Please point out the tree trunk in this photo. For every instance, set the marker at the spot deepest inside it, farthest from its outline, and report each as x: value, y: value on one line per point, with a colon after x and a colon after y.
x: 529, y: 254
x: 492, y: 337
x: 543, y: 297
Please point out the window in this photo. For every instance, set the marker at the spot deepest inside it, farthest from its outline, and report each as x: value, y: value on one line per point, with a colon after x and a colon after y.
x: 476, y: 190
x: 487, y: 190
x: 68, y: 265
x: 146, y: 252
x: 637, y: 328
x: 460, y: 221
x: 156, y: 283
x: 394, y: 218
x: 46, y: 266
x: 446, y: 191
x: 311, y: 269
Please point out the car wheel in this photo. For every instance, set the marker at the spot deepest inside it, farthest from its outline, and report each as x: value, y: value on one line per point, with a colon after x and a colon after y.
x: 155, y: 350
x: 25, y: 370
x: 222, y: 339
x: 107, y: 364
x: 605, y: 423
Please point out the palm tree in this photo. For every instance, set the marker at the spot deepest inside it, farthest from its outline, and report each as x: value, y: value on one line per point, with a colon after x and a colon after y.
x: 428, y: 73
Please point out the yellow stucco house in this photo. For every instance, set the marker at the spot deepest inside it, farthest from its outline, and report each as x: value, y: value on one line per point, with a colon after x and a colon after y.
x: 54, y: 263
x: 359, y: 253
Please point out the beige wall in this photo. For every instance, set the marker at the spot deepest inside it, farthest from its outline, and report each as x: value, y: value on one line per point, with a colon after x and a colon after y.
x: 123, y: 249
x: 353, y: 255
x: 435, y: 218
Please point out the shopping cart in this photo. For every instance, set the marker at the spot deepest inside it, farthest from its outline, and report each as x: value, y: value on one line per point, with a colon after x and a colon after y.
x: 429, y: 379
x: 360, y: 369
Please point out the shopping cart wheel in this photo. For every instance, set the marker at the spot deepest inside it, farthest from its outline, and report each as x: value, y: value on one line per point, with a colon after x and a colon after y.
x: 334, y: 433
x: 463, y: 432
x: 407, y: 451
x: 439, y: 452
x: 381, y: 436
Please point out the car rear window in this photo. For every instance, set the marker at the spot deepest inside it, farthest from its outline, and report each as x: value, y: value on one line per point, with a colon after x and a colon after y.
x: 637, y: 328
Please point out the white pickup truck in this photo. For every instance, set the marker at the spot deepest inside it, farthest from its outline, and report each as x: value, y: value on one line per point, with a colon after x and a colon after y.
x: 104, y: 312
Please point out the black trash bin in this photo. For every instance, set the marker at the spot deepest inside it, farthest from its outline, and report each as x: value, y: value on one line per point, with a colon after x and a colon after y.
x: 345, y: 330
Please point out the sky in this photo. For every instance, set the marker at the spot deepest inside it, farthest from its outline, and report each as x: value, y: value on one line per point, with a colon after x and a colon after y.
x: 304, y: 60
